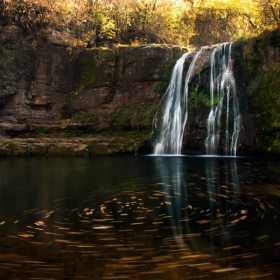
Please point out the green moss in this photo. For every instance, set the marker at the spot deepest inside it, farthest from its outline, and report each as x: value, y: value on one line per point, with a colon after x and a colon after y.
x: 251, y: 58
x: 135, y: 117
x: 8, y: 147
x: 198, y: 98
x: 178, y: 51
x: 131, y: 134
x: 66, y: 112
x: 84, y: 117
x: 267, y: 100
x: 67, y: 151
x: 121, y: 118
x: 162, y: 86
x: 44, y: 129
x: 96, y: 67
x: 168, y: 69
x: 159, y: 87
x: 114, y: 145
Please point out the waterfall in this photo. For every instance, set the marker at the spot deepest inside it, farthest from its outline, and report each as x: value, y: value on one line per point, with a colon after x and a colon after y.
x: 171, y: 117
x: 174, y: 106
x: 223, y: 95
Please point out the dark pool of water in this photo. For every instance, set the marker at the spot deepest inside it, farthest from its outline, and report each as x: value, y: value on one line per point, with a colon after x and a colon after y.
x: 145, y: 217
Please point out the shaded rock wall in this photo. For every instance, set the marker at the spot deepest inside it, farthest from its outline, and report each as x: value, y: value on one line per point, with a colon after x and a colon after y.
x: 54, y: 82
x: 256, y: 69
x: 257, y: 66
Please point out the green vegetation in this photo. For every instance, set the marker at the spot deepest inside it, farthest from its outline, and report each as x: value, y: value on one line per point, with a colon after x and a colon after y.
x: 96, y: 68
x: 198, y: 99
x: 137, y: 117
x: 251, y: 58
x: 267, y: 99
x: 157, y: 88
x: 162, y: 86
x: 182, y: 22
x: 84, y: 117
x: 8, y: 147
x: 79, y: 116
x: 69, y: 99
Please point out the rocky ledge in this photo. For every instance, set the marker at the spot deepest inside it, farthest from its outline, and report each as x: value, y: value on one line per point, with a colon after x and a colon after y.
x: 85, y: 146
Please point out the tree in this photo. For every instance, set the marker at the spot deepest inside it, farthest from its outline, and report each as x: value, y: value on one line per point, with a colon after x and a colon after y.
x: 183, y: 22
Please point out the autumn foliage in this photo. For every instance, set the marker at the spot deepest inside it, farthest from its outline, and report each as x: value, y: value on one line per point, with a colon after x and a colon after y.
x: 183, y: 22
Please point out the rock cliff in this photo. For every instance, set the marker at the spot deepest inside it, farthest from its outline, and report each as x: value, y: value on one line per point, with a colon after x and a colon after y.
x: 53, y: 88
x: 52, y: 94
x: 256, y: 63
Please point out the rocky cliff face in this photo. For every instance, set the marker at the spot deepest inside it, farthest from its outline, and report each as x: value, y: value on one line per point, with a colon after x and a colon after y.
x: 256, y: 64
x: 255, y: 68
x: 257, y: 72
x: 53, y: 88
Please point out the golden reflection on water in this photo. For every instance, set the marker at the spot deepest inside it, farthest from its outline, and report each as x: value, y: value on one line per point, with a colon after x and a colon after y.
x: 180, y: 224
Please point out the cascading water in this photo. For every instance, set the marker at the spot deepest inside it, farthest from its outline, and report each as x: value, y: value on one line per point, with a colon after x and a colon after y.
x: 172, y: 115
x: 174, y: 105
x: 223, y: 94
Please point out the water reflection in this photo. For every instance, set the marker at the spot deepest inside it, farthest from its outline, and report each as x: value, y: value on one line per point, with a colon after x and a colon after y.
x: 205, y: 201
x: 174, y: 187
x: 177, y: 217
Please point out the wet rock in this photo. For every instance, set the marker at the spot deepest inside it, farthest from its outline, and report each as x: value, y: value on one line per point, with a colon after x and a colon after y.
x: 68, y: 149
x: 39, y: 149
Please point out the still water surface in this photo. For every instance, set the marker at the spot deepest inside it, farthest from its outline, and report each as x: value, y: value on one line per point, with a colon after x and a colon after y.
x: 147, y: 217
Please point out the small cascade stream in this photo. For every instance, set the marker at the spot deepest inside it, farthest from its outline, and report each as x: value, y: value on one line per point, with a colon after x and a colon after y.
x: 175, y: 109
x: 223, y: 120
x: 223, y: 95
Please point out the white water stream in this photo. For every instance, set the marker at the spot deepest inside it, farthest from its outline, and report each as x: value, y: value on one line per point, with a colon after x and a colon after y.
x: 174, y: 105
x: 224, y: 103
x: 173, y: 109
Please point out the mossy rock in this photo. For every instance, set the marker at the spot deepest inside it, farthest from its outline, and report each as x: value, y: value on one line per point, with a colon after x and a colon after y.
x: 110, y: 148
x: 267, y: 105
x: 96, y: 67
x: 135, y: 117
x: 68, y: 150
x: 39, y: 149
x: 19, y: 149
x: 6, y: 148
x: 99, y: 148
